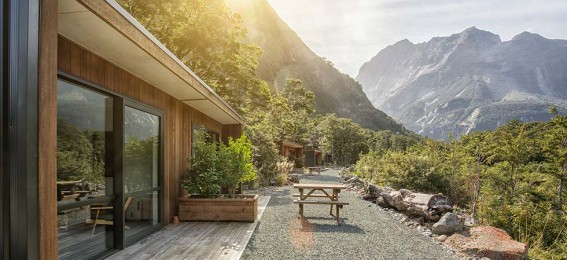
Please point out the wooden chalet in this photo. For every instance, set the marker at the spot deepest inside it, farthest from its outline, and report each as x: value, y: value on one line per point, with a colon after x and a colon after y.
x: 97, y: 123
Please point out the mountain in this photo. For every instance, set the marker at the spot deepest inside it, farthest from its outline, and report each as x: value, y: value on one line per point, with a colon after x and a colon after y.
x: 285, y: 55
x: 468, y: 81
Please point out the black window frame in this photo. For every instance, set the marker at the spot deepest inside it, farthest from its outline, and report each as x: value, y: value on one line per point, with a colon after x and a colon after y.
x: 19, y: 114
x: 119, y: 106
x: 161, y: 215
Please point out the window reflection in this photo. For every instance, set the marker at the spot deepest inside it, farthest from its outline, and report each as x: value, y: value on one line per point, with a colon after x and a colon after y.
x: 141, y: 164
x: 84, y: 137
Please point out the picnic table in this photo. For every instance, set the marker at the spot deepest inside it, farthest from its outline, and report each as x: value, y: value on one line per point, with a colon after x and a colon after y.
x: 315, y: 168
x: 311, y: 188
x: 67, y: 190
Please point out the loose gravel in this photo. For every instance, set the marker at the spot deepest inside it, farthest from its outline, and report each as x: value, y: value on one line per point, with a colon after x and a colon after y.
x: 367, y: 231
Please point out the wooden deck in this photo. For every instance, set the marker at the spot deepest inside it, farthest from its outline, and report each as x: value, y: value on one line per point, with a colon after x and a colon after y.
x: 196, y: 240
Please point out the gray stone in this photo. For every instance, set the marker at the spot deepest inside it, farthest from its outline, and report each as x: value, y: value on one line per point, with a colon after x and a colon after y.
x: 447, y: 225
x: 381, y: 202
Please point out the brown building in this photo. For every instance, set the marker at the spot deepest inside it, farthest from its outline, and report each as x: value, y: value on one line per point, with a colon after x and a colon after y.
x: 288, y: 149
x: 97, y: 121
x: 313, y: 157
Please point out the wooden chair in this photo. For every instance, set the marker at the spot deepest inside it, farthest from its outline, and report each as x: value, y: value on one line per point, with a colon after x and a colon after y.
x: 104, y: 221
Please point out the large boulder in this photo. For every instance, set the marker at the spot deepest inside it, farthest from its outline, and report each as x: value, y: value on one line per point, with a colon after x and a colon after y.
x: 447, y: 225
x: 491, y: 242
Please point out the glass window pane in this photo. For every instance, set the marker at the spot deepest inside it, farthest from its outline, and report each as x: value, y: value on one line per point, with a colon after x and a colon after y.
x: 141, y: 150
x: 84, y: 160
x: 142, y: 212
x: 141, y: 170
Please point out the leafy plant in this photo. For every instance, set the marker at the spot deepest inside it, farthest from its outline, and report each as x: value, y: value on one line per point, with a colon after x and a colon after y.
x: 217, y: 165
x: 204, y: 177
x: 236, y: 163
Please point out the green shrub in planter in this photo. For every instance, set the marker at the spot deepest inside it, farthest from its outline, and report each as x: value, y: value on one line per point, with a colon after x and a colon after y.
x: 216, y: 165
x: 204, y: 177
x: 236, y: 163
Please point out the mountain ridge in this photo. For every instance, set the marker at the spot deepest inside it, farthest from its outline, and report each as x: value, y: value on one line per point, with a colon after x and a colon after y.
x: 287, y: 56
x: 467, y: 81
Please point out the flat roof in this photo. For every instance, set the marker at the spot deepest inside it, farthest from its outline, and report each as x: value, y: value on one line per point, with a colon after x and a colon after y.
x: 106, y: 29
x: 291, y: 144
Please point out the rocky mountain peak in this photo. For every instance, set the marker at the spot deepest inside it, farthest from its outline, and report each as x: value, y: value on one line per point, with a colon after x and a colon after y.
x: 468, y: 81
x: 403, y: 43
x: 479, y: 38
x: 528, y: 36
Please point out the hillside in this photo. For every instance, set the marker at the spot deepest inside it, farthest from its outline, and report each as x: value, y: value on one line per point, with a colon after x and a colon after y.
x: 285, y: 55
x: 467, y: 81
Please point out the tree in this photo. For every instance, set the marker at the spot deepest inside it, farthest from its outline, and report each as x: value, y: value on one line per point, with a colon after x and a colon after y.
x: 556, y: 150
x: 210, y: 40
x: 342, y: 138
x: 291, y: 111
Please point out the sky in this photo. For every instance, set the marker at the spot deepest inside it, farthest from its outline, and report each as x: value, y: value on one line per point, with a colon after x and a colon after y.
x: 351, y: 32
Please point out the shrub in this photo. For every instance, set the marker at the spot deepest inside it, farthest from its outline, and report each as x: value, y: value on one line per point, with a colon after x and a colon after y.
x: 283, y: 168
x: 204, y: 177
x: 236, y: 163
x: 216, y: 165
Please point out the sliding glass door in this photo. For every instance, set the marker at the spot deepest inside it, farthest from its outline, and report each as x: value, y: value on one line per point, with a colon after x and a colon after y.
x: 142, y: 160
x: 85, y: 174
x: 109, y: 170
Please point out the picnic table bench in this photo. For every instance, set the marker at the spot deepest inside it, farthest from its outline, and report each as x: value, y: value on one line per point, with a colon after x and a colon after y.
x: 321, y: 187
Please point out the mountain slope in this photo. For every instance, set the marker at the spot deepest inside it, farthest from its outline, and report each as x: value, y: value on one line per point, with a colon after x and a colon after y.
x: 285, y: 55
x: 467, y: 81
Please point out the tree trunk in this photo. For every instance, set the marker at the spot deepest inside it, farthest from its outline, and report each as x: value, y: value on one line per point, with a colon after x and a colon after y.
x: 429, y: 206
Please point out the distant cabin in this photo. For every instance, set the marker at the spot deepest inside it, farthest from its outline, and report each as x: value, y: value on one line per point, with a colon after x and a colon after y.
x: 313, y: 157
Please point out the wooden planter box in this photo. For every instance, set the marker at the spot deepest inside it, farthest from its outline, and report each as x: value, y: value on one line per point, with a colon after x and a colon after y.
x: 243, y: 208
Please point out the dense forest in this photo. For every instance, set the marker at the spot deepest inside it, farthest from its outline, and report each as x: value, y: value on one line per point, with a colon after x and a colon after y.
x: 510, y: 178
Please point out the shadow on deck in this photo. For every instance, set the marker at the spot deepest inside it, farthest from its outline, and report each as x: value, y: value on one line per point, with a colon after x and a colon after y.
x: 196, y: 240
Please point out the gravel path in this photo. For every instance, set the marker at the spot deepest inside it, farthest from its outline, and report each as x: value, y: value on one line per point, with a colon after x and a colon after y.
x: 366, y: 232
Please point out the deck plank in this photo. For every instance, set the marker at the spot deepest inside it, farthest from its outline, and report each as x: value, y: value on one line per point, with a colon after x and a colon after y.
x: 196, y: 240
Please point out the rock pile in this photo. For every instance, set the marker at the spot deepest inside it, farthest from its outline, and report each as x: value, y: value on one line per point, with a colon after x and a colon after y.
x: 433, y: 216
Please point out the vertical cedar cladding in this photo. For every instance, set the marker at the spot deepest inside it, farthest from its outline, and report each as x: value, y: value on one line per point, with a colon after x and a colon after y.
x: 178, y: 117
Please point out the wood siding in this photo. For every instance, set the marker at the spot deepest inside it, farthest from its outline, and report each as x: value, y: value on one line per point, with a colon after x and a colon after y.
x: 178, y: 117
x: 47, y: 141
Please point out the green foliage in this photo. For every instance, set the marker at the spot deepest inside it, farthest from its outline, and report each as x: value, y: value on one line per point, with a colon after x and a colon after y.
x: 264, y: 150
x: 138, y: 163
x: 215, y: 165
x: 236, y: 163
x: 507, y: 178
x: 411, y: 169
x: 291, y: 110
x: 341, y: 138
x: 204, y: 177
x: 80, y: 154
x: 298, y: 162
x: 210, y: 40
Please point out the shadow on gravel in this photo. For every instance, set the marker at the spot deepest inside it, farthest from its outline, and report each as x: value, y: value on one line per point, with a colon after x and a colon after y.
x: 280, y: 198
x: 328, y: 228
